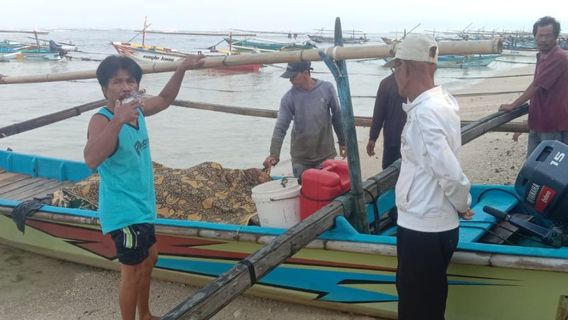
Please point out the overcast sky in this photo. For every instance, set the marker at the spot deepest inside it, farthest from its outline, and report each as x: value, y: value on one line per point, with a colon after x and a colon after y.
x: 287, y: 15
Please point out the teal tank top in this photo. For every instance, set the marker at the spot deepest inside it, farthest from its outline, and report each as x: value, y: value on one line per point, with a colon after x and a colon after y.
x: 126, y: 192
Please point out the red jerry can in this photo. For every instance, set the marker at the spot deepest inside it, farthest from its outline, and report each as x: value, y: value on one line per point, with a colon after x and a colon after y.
x: 320, y: 186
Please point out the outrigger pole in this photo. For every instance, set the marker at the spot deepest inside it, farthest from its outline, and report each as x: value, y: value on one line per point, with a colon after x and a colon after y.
x: 45, y: 120
x: 358, y: 216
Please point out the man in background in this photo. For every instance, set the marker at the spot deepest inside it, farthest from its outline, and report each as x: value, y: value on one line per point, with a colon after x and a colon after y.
x: 389, y: 116
x: 548, y: 92
x: 313, y: 105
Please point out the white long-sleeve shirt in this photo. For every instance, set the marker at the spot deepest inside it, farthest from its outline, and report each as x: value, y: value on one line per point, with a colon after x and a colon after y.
x: 431, y: 187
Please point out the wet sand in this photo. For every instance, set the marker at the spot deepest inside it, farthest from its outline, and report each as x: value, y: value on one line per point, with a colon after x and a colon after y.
x: 36, y: 287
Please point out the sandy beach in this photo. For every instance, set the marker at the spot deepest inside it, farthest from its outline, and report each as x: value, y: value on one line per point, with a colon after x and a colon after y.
x: 36, y: 287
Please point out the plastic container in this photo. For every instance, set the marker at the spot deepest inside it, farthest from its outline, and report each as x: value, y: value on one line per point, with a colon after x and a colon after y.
x: 542, y: 183
x: 277, y: 202
x: 320, y: 186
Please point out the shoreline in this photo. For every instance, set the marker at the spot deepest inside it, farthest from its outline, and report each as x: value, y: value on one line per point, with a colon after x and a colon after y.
x: 37, y: 287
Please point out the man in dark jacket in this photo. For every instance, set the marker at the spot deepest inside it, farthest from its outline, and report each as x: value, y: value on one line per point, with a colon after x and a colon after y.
x: 387, y: 115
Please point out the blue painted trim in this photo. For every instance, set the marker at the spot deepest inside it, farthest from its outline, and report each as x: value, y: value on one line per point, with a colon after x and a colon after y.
x: 43, y: 167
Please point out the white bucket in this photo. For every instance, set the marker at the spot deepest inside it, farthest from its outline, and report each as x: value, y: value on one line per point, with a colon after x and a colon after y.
x: 278, y: 202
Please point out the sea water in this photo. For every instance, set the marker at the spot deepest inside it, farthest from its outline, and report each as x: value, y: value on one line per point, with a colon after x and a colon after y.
x: 180, y: 137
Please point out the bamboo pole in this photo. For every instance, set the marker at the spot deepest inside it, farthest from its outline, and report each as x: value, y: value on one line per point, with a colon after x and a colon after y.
x: 273, y: 114
x: 49, y: 119
x: 464, y: 94
x: 25, y: 31
x: 201, y: 33
x: 243, y: 111
x: 336, y: 53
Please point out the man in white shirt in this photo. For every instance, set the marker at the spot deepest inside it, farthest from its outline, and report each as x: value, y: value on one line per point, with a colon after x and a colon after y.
x: 432, y: 192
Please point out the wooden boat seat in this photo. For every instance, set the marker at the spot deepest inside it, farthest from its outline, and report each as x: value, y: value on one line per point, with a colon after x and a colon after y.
x: 472, y: 230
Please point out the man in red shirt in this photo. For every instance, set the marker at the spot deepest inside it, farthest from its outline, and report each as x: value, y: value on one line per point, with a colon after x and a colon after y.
x: 548, y: 92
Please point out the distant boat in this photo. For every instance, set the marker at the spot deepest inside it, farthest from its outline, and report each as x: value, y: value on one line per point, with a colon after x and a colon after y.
x: 13, y: 50
x: 265, y: 45
x: 468, y: 61
x: 150, y: 54
x: 462, y: 62
x: 351, y: 39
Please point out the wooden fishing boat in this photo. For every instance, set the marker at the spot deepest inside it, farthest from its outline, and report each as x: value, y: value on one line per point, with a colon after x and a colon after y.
x: 463, y: 61
x: 265, y: 45
x: 151, y: 54
x: 14, y: 50
x: 467, y: 61
x: 343, y: 269
x: 325, y: 39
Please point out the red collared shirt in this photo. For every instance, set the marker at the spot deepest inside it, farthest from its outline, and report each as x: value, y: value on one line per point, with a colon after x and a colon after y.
x: 548, y: 111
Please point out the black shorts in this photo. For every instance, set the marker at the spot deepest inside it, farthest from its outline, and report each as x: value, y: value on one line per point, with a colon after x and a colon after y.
x: 133, y: 242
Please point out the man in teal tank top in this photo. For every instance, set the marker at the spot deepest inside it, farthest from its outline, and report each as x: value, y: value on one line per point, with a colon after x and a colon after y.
x: 118, y: 146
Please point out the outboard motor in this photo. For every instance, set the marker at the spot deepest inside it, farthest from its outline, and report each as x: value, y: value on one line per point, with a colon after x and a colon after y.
x: 56, y: 47
x: 542, y: 183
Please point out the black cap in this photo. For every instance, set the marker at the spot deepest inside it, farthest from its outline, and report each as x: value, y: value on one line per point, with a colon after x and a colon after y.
x: 296, y: 67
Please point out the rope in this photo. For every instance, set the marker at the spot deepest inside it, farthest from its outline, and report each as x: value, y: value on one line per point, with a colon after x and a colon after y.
x: 250, y: 267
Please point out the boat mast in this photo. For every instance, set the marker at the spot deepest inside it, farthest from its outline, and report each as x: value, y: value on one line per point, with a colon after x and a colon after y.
x: 144, y: 30
x: 36, y: 39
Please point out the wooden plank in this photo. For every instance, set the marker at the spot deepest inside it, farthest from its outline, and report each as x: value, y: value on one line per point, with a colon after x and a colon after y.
x: 45, y: 191
x: 38, y: 191
x: 20, y: 183
x: 9, y: 177
x: 31, y: 183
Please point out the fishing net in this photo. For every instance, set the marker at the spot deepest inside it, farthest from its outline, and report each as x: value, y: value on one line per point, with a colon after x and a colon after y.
x: 205, y: 192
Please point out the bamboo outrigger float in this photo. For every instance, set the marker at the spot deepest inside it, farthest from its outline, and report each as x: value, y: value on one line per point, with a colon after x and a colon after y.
x: 343, y: 268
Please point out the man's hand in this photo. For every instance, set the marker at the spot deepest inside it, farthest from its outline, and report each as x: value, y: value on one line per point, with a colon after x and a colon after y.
x: 506, y: 107
x: 270, y: 161
x: 342, y: 151
x: 467, y: 215
x: 127, y: 112
x: 516, y: 136
x: 371, y: 148
x: 193, y: 61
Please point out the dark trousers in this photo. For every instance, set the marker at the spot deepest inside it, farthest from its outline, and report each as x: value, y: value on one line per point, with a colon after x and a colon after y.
x: 390, y: 155
x: 421, y: 282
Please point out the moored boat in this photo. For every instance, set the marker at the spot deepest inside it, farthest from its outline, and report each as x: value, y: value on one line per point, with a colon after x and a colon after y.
x: 467, y: 61
x: 150, y: 54
x: 343, y: 269
x: 463, y: 61
x: 265, y: 45
x: 349, y: 40
x: 13, y: 50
